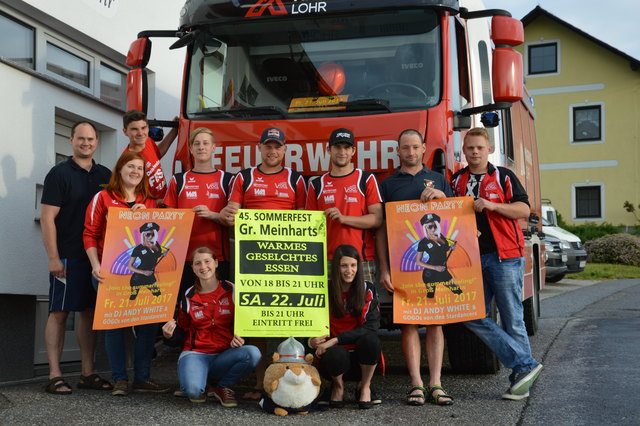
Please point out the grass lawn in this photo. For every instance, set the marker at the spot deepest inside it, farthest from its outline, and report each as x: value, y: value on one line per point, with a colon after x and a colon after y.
x: 606, y: 271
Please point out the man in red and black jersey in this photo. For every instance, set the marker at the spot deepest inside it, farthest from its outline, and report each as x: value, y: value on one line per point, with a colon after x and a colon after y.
x: 350, y: 199
x: 269, y: 185
x: 136, y: 127
x: 203, y: 189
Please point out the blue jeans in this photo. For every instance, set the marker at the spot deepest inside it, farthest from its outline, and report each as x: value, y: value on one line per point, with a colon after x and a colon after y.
x: 503, y: 281
x: 227, y: 368
x: 114, y: 341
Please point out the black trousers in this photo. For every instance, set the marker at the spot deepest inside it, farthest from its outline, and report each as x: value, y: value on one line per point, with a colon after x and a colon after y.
x: 339, y: 360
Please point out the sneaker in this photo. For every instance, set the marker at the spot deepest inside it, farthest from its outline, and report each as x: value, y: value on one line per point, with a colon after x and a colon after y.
x: 514, y: 397
x: 522, y: 382
x: 179, y: 394
x: 150, y: 387
x: 121, y: 388
x: 226, y: 396
x: 202, y: 398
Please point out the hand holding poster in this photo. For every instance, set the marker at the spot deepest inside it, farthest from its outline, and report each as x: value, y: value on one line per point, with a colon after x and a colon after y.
x: 435, y: 262
x: 142, y: 261
x: 281, y: 273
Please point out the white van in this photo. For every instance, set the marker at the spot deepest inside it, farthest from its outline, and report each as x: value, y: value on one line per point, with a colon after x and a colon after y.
x: 576, y: 254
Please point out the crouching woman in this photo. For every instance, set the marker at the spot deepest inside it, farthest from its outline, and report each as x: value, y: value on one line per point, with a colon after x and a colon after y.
x: 211, y: 352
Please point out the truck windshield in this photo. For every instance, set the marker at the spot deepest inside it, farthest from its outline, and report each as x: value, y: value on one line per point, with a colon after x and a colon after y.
x: 317, y: 66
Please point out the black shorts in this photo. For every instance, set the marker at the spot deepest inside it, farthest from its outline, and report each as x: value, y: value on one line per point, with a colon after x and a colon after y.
x: 75, y: 293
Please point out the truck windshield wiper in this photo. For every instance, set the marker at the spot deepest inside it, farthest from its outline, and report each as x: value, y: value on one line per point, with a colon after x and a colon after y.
x: 243, y: 112
x: 372, y: 104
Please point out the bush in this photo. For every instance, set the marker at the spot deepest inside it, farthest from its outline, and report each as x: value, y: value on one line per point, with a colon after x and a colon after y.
x: 589, y: 231
x: 617, y: 248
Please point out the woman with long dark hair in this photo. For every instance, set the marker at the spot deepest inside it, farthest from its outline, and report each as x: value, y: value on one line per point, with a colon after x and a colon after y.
x: 128, y: 188
x: 205, y: 329
x: 352, y: 350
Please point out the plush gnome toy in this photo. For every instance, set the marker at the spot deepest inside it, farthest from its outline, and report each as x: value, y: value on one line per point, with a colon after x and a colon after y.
x: 291, y: 382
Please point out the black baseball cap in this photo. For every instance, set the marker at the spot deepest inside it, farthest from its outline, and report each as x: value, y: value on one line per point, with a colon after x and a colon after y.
x: 341, y: 135
x: 149, y: 226
x: 272, y: 134
x: 430, y: 217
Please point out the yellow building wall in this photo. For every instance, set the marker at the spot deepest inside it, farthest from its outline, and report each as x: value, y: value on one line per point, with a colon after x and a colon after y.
x: 582, y: 62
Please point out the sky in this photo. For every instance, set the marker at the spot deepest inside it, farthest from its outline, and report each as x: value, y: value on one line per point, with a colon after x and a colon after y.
x: 613, y: 21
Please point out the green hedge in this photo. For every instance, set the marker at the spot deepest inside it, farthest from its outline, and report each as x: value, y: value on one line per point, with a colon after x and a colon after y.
x: 588, y: 232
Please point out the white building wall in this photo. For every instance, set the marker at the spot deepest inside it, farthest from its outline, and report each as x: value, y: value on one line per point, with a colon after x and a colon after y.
x: 28, y: 110
x: 27, y: 117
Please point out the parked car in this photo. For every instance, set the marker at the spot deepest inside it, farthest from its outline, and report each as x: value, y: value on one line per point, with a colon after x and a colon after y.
x: 571, y: 244
x: 556, y: 259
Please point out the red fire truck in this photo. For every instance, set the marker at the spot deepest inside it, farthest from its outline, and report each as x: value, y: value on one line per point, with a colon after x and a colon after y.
x: 374, y: 66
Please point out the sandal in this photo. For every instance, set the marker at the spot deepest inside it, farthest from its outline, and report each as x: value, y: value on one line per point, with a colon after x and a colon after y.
x: 95, y: 382
x: 435, y: 399
x: 416, y: 399
x: 54, y: 385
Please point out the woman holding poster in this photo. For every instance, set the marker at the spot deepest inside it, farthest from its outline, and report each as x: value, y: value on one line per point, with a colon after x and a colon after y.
x: 437, y: 249
x: 129, y: 188
x: 205, y: 329
x: 353, y: 349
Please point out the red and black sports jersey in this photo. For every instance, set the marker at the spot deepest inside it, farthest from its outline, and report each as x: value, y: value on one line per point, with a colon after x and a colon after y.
x: 95, y: 219
x: 153, y: 168
x: 352, y: 194
x: 349, y: 328
x: 206, y: 320
x: 190, y: 189
x: 284, y: 190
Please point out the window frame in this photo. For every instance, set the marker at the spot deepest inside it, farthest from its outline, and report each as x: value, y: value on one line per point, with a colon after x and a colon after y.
x: 100, y: 64
x: 33, y: 40
x: 572, y: 123
x: 527, y: 58
x: 574, y: 201
x: 91, y: 60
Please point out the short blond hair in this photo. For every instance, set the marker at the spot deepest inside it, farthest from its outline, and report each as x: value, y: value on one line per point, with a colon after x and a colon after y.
x: 199, y: 130
x: 478, y: 131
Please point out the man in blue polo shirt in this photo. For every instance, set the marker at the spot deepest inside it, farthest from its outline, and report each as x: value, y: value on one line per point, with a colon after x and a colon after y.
x: 68, y: 189
x: 411, y: 180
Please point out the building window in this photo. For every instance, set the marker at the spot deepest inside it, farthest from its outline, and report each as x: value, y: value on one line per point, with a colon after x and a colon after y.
x: 67, y: 65
x: 112, y: 86
x: 587, y: 123
x: 588, y: 201
x: 17, y: 42
x: 543, y: 58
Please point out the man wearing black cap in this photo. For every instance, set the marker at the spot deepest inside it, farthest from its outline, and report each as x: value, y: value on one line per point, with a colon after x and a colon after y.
x: 269, y: 185
x: 350, y: 199
x: 409, y: 182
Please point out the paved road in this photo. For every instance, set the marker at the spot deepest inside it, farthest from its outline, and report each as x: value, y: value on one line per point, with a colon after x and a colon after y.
x: 589, y: 339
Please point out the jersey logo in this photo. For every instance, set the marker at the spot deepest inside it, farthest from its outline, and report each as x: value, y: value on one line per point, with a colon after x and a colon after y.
x: 192, y: 194
x: 329, y: 199
x: 282, y: 194
x: 351, y: 189
x: 225, y: 311
x: 259, y: 192
x: 281, y: 185
x: 213, y: 185
x: 428, y: 183
x: 350, y: 199
x: 491, y: 186
x: 198, y: 314
x: 212, y: 195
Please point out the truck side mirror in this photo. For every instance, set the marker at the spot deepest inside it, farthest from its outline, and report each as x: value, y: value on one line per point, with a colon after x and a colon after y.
x: 137, y: 86
x: 507, y: 76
